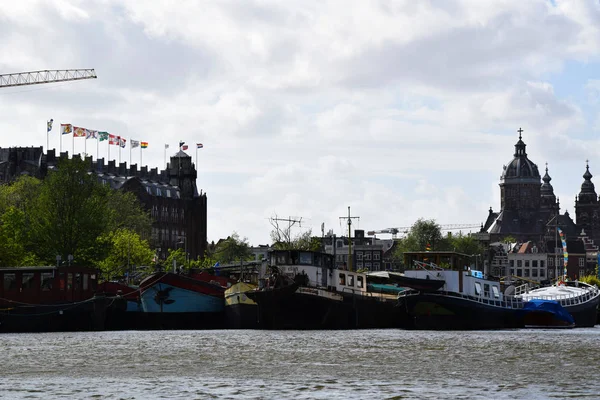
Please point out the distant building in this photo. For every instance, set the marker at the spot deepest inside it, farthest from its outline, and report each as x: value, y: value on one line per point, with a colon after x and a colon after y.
x: 368, y: 253
x: 178, y: 211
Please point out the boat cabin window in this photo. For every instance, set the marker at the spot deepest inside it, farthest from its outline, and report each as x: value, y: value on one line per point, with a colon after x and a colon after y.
x: 77, y: 282
x: 85, y: 281
x: 343, y: 279
x: 10, y: 281
x: 486, y: 289
x: 359, y: 281
x: 27, y: 280
x: 351, y: 280
x: 306, y: 258
x: 495, y: 292
x: 281, y: 259
x: 69, y: 281
x: 62, y: 280
x: 46, y: 281
x: 477, y: 289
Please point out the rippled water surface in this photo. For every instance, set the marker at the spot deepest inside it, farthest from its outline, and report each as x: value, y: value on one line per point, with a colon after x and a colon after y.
x: 367, y: 364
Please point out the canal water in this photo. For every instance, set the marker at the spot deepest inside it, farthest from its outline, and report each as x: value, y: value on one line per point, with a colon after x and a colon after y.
x: 365, y: 364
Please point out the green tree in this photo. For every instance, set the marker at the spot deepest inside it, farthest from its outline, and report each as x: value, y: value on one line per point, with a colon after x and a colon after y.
x: 126, y: 251
x: 177, y: 255
x: 303, y: 241
x: 126, y: 212
x: 422, y: 234
x: 14, y: 239
x: 233, y: 249
x: 70, y: 213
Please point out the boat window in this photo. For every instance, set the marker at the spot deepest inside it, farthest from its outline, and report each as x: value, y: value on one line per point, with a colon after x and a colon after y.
x: 305, y: 258
x: 46, y: 281
x: 359, y: 281
x: 486, y: 290
x: 27, y: 280
x: 477, y: 288
x: 69, y: 281
x: 281, y: 259
x: 495, y: 292
x: 351, y: 280
x: 61, y: 281
x: 10, y: 281
x: 342, y: 279
x: 85, y: 281
x: 77, y: 282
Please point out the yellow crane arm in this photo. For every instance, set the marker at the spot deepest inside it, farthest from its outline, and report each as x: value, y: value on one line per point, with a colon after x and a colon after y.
x: 46, y: 76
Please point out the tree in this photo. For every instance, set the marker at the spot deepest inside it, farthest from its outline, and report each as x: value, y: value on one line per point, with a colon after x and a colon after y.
x: 127, y: 250
x: 70, y: 213
x: 233, y: 249
x: 125, y: 211
x: 303, y: 241
x: 422, y: 233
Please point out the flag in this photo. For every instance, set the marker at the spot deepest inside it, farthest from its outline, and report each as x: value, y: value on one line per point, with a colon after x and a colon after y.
x: 428, y: 247
x: 184, y: 147
x: 112, y: 139
x: 134, y: 143
x: 122, y: 142
x: 91, y: 134
x: 49, y: 123
x: 102, y: 136
x: 166, y: 146
x: 78, y: 132
x: 144, y: 145
x: 181, y: 144
x: 199, y: 145
x: 66, y: 129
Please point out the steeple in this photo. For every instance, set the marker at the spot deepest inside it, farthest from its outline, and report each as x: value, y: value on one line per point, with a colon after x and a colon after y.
x: 588, y: 192
x: 547, y: 192
x: 520, y: 146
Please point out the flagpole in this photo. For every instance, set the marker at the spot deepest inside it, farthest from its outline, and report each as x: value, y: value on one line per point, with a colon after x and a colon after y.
x: 196, y: 156
x: 97, y: 146
x: 85, y: 146
x: 72, y: 143
x: 47, y: 138
x: 140, y: 155
x: 60, y: 141
x: 108, y: 150
x: 165, y: 157
x: 130, y: 152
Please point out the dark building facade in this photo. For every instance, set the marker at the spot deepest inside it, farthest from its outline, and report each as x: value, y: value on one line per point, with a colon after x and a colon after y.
x: 178, y: 211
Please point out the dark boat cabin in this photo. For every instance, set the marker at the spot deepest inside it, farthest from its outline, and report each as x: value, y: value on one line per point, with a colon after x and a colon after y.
x: 46, y: 285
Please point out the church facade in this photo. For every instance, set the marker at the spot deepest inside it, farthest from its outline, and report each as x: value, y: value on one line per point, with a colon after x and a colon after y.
x: 530, y: 211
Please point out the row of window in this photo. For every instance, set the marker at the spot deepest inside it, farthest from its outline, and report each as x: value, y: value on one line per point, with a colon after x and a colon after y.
x: 526, y: 263
x: 164, y: 214
x: 370, y: 266
x: 350, y: 282
x: 525, y: 273
x: 75, y: 281
x: 367, y: 256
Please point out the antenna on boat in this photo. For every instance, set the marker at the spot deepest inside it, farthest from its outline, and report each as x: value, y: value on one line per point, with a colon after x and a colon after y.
x: 349, y: 238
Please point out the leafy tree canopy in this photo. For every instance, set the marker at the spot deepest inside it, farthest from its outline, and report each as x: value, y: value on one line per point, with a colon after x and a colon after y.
x: 233, y: 249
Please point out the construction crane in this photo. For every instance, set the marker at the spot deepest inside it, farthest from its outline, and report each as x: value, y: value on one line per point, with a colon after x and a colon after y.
x: 46, y: 76
x: 395, y: 231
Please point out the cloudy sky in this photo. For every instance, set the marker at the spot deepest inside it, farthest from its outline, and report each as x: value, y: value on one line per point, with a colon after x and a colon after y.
x: 398, y: 109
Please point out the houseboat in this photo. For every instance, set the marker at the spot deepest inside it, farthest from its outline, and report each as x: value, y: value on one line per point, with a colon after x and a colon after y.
x: 45, y: 299
x: 304, y: 290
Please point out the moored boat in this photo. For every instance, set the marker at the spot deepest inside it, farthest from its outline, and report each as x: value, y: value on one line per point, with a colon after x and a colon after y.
x: 538, y: 313
x: 46, y: 299
x: 241, y: 311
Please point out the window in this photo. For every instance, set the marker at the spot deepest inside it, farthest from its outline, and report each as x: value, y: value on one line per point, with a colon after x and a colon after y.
x: 350, y: 281
x: 376, y: 256
x: 85, y: 281
x: 10, y: 281
x: 512, y: 271
x: 343, y: 279
x: 581, y: 262
x: 46, y: 281
x: 512, y: 263
x: 542, y: 273
x: 368, y: 265
x: 519, y: 263
x: 367, y: 256
x: 495, y: 292
x: 61, y: 281
x: 305, y: 258
x: 581, y: 272
x: 376, y: 266
x: 69, y: 281
x: 534, y: 273
x: 359, y: 281
x: 542, y: 263
x: 551, y: 262
x: 359, y: 256
x: 27, y: 280
x: 526, y: 273
x: 477, y: 289
x: 359, y: 264
x: 526, y: 263
x: 534, y: 263
x: 519, y: 272
x: 486, y: 290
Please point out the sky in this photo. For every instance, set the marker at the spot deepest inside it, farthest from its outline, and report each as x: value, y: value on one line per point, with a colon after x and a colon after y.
x: 399, y: 110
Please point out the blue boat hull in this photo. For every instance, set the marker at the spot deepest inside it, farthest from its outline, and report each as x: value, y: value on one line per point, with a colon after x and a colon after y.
x: 164, y: 298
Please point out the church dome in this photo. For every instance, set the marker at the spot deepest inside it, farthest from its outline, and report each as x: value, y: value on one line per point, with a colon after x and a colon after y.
x: 521, y: 168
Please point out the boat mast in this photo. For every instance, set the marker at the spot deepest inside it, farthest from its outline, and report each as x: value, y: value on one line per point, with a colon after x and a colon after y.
x: 349, y: 238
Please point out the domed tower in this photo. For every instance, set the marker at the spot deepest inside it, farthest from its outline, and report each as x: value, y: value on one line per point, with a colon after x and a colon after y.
x: 587, y: 206
x: 520, y: 184
x: 548, y: 199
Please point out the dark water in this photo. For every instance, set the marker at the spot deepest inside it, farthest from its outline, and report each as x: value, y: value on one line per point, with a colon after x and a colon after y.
x: 369, y: 364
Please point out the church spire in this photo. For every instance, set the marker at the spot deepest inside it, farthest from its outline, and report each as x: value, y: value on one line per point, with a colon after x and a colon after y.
x: 520, y: 146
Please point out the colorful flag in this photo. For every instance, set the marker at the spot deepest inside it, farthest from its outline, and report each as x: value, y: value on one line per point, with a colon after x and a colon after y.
x: 144, y: 145
x: 122, y: 142
x: 166, y: 146
x: 78, y: 132
x: 112, y: 139
x: 91, y: 134
x: 134, y: 143
x: 199, y: 145
x: 428, y: 247
x: 184, y: 147
x: 102, y: 136
x: 66, y: 129
x: 50, y: 125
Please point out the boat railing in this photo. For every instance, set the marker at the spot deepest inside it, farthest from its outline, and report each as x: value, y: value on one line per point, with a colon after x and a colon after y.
x: 522, y: 289
x: 571, y: 299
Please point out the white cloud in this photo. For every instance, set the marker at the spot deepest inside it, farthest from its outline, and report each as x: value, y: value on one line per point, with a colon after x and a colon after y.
x: 306, y: 108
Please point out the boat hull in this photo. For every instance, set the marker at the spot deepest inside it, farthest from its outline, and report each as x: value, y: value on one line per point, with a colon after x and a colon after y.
x: 435, y: 311
x: 87, y: 315
x: 241, y: 312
